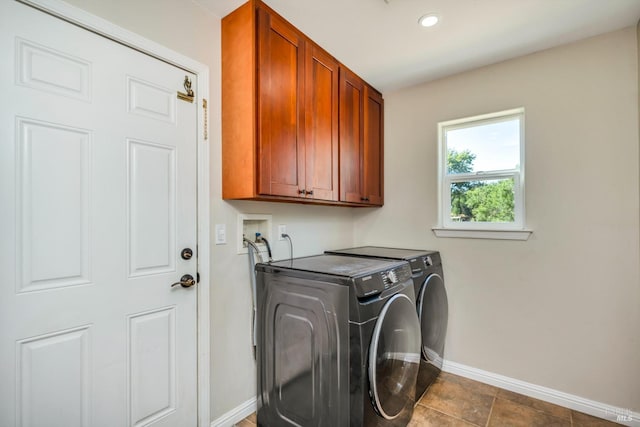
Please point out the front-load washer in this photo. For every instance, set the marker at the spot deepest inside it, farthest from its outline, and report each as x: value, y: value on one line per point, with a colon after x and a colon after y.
x: 338, y: 342
x: 431, y: 303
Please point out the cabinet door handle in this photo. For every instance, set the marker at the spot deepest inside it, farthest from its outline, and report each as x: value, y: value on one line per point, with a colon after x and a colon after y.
x: 364, y: 199
x: 303, y: 192
x: 309, y: 192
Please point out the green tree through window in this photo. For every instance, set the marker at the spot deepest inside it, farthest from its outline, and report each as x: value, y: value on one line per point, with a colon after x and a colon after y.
x: 460, y: 162
x: 478, y: 201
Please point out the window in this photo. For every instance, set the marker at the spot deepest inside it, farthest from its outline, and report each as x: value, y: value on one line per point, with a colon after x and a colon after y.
x: 482, y: 172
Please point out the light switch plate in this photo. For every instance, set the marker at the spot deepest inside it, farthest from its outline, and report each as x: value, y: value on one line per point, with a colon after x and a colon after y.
x: 221, y: 234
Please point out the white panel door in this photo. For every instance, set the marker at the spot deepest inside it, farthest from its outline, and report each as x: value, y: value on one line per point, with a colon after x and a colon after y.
x: 97, y: 201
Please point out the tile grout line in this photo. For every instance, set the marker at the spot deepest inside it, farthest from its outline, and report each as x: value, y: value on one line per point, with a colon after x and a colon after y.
x: 448, y: 415
x: 491, y: 409
x: 541, y: 411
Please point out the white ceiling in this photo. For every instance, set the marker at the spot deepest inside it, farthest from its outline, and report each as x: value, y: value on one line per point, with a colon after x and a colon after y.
x: 383, y: 43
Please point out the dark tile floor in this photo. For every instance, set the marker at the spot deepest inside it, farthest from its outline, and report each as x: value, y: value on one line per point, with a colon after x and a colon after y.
x: 456, y: 401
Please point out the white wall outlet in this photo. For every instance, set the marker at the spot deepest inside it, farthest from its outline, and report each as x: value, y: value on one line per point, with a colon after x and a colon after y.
x: 221, y: 234
x: 282, y: 229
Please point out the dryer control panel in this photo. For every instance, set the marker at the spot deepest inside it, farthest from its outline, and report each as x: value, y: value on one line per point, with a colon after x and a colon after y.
x: 419, y: 265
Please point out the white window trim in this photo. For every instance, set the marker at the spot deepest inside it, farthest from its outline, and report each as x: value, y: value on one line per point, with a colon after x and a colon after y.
x: 482, y: 230
x: 482, y: 234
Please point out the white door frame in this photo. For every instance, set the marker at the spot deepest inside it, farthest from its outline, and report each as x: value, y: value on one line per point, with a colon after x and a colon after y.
x: 118, y: 34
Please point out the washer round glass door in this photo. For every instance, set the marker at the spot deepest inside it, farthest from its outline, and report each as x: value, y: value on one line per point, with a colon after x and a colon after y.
x: 434, y: 313
x: 394, y: 356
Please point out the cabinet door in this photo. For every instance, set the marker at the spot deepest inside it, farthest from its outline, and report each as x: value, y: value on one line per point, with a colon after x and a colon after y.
x: 373, y: 147
x: 280, y: 107
x: 351, y: 136
x: 321, y: 114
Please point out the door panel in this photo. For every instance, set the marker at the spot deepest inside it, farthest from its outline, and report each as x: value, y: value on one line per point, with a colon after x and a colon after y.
x: 38, y: 389
x: 280, y: 107
x: 321, y: 142
x: 151, y: 207
x: 52, y: 183
x: 149, y: 100
x: 50, y: 70
x: 373, y: 148
x: 152, y: 361
x: 351, y: 136
x: 97, y: 197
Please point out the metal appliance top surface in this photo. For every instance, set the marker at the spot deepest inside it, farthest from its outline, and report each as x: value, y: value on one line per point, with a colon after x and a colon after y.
x: 381, y: 252
x: 345, y: 266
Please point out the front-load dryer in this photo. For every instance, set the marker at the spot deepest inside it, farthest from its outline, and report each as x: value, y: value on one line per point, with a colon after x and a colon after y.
x: 431, y: 303
x: 338, y: 342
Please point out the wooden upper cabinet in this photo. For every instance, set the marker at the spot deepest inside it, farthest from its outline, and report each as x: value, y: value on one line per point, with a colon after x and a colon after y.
x: 321, y: 124
x: 281, y: 150
x: 361, y: 141
x: 373, y: 156
x: 294, y: 128
x: 351, y: 137
x: 239, y: 104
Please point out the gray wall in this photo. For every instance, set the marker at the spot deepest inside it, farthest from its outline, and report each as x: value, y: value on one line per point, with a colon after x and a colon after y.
x: 562, y: 309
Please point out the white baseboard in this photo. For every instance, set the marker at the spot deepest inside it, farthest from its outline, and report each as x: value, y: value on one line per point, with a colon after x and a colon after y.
x: 580, y: 404
x: 236, y: 415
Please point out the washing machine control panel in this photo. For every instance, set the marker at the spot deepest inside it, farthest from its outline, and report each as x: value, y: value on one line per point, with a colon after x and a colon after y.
x: 378, y: 282
x: 394, y: 276
x: 389, y: 278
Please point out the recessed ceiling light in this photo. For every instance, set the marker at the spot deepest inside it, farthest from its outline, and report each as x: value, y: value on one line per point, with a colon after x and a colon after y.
x: 428, y: 20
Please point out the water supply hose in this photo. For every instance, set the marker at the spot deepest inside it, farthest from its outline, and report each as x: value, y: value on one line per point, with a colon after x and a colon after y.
x: 251, y: 247
x: 260, y: 238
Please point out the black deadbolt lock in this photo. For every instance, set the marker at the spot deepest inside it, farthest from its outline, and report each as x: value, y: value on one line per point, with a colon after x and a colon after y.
x: 186, y: 253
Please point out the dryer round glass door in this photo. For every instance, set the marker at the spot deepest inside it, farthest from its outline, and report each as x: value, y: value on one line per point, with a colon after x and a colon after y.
x: 394, y: 356
x: 434, y: 313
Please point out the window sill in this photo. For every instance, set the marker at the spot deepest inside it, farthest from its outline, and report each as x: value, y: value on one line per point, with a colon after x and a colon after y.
x: 482, y: 234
